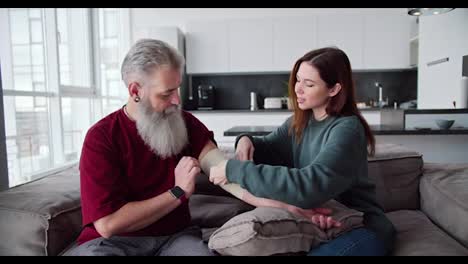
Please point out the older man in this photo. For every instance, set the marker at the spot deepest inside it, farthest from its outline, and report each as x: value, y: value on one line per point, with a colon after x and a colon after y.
x: 138, y: 165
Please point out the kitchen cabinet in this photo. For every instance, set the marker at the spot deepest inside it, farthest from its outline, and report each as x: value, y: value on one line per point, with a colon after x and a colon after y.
x: 292, y: 38
x: 171, y: 35
x: 207, y: 47
x: 220, y: 122
x: 372, y: 41
x: 251, y: 45
x: 372, y: 117
x: 443, y: 41
x: 344, y: 31
x: 387, y: 40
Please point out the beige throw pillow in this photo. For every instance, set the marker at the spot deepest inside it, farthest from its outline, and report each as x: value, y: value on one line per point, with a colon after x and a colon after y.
x: 268, y: 231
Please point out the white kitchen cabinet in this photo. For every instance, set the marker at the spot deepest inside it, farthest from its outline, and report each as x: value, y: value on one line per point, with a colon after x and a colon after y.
x: 345, y: 31
x: 441, y: 37
x: 292, y: 38
x: 372, y: 117
x: 251, y: 45
x: 372, y: 41
x: 220, y: 122
x: 171, y: 35
x: 387, y: 40
x: 434, y: 82
x: 207, y: 47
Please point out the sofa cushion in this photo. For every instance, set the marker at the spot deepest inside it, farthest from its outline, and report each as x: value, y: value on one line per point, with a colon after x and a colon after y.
x: 210, y: 211
x: 418, y: 236
x: 41, y: 217
x: 396, y: 171
x: 444, y: 196
x: 269, y: 231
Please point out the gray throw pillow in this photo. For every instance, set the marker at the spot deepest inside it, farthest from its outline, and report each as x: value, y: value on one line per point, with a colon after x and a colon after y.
x: 270, y: 231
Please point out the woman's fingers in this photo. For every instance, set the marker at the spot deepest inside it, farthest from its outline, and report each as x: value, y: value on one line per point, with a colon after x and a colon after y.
x: 330, y: 222
x: 323, y: 222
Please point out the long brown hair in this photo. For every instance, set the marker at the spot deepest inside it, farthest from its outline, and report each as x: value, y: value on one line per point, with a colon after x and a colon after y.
x: 333, y: 67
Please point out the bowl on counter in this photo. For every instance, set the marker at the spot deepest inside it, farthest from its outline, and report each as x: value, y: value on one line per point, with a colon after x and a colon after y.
x: 444, y: 123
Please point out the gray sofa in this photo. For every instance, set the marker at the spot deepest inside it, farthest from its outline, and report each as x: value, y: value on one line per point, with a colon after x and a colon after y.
x: 426, y: 203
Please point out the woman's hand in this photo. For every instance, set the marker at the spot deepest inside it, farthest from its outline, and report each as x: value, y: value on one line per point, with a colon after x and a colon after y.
x: 218, y: 174
x: 245, y: 149
x: 318, y: 216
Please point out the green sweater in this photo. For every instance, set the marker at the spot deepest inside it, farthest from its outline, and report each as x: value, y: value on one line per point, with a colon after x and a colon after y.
x: 330, y: 162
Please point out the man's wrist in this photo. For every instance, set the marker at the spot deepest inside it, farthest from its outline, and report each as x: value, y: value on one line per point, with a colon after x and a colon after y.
x: 179, y: 194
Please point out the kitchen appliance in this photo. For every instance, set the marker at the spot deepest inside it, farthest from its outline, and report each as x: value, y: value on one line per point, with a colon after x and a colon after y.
x: 253, y: 101
x: 206, y: 97
x: 273, y: 103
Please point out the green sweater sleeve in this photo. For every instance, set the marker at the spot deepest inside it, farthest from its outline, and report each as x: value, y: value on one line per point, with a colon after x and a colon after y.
x: 332, y: 171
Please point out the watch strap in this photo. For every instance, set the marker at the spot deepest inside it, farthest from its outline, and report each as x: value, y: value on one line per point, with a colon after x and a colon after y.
x: 178, y: 193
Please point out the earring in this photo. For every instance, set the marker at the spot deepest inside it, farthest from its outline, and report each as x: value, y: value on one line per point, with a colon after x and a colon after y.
x: 136, y: 99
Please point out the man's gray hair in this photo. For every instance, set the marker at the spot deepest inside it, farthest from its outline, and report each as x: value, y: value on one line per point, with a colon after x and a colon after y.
x: 147, y: 55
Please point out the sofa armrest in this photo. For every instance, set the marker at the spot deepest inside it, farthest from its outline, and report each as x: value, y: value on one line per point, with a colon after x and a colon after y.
x: 396, y: 171
x: 41, y: 217
x: 444, y: 192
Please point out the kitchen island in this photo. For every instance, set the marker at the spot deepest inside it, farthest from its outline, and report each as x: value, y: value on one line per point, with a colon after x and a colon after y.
x: 376, y: 129
x: 436, y: 145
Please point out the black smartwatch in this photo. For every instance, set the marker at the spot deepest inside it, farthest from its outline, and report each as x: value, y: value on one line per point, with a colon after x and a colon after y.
x: 178, y: 193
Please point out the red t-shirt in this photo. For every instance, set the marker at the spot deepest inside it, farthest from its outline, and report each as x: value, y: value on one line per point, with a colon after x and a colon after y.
x: 117, y: 167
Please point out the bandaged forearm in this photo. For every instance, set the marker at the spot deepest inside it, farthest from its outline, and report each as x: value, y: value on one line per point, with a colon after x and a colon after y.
x: 213, y: 158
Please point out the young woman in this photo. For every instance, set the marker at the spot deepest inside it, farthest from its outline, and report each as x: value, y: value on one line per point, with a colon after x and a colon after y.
x: 318, y: 154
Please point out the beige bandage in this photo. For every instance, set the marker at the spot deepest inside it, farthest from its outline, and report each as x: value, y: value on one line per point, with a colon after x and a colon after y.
x: 213, y: 158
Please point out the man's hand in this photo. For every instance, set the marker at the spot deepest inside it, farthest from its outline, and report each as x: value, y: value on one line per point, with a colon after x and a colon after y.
x: 218, y: 174
x: 319, y: 216
x: 185, y: 172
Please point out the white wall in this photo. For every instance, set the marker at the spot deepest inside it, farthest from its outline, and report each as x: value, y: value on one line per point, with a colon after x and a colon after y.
x: 150, y: 17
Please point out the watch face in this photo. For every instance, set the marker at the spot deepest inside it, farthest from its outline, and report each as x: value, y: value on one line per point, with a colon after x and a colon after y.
x: 177, y: 191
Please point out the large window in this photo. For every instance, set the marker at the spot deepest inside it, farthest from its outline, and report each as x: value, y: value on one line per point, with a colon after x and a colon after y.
x: 61, y: 74
x: 27, y: 136
x: 112, y: 47
x: 74, y: 46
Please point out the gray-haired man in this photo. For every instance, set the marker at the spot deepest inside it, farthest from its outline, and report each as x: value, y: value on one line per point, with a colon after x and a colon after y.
x: 137, y: 167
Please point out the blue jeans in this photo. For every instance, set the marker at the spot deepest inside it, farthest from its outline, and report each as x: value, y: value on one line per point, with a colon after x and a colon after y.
x: 358, y: 242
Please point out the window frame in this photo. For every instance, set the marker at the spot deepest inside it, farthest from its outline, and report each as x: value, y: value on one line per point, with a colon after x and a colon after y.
x: 55, y: 91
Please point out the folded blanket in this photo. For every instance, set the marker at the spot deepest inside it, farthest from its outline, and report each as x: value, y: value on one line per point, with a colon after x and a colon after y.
x: 269, y: 231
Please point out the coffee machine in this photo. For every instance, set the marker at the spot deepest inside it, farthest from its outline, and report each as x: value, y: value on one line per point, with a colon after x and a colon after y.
x: 206, y: 97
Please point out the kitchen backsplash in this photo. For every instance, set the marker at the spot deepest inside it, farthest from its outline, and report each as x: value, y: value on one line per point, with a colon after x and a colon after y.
x: 232, y: 91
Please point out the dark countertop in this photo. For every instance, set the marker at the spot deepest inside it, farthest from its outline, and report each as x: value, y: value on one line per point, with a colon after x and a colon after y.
x: 376, y: 129
x: 407, y: 111
x: 269, y: 110
x: 437, y: 111
x: 228, y: 111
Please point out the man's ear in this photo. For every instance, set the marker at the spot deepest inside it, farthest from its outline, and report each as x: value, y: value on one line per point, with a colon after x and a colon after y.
x: 334, y: 90
x: 134, y: 89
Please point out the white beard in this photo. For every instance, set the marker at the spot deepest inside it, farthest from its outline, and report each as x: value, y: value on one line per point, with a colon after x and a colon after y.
x: 165, y: 133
